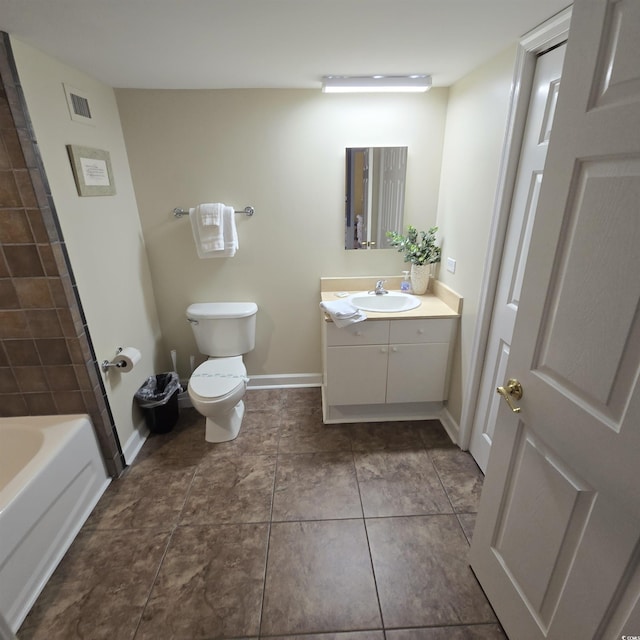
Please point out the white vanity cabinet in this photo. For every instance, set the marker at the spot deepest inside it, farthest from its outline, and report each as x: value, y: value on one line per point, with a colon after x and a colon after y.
x: 356, y: 363
x: 386, y: 369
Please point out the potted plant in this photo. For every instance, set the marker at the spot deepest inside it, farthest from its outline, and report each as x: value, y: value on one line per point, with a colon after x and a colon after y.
x: 421, y: 250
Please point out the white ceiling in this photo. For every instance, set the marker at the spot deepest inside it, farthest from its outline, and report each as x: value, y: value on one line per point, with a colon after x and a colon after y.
x: 197, y: 44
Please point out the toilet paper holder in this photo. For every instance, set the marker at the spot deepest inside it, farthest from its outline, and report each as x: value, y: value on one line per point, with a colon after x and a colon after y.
x: 114, y: 363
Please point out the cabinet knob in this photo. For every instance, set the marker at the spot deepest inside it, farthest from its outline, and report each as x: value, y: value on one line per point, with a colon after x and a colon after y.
x: 358, y: 333
x: 383, y: 350
x: 394, y: 349
x: 420, y: 331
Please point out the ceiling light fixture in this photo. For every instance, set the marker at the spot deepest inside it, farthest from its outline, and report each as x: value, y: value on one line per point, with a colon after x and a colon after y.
x: 376, y: 84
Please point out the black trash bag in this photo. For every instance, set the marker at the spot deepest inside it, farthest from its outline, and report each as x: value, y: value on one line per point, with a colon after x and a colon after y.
x: 158, y: 398
x: 158, y: 389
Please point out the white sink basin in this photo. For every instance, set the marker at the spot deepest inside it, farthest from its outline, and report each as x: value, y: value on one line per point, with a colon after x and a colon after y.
x: 391, y: 302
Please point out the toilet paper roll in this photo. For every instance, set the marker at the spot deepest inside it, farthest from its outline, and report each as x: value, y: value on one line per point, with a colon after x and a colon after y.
x: 128, y: 358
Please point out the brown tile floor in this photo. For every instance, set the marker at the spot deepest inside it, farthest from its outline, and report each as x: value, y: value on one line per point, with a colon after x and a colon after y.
x: 294, y: 530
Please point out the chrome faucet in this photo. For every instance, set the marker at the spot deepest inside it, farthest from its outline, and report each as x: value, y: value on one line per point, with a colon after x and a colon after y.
x: 380, y: 290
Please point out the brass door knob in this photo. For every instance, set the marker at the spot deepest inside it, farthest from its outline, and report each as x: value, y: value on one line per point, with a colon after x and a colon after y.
x: 513, y: 391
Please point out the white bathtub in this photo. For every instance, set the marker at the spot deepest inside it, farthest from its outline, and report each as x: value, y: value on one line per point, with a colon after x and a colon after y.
x: 51, y: 477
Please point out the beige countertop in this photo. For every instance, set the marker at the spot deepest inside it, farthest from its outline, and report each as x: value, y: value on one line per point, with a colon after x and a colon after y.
x: 442, y: 302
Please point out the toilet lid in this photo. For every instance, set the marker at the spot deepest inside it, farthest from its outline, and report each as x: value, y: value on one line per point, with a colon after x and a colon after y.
x: 218, y: 377
x: 219, y: 310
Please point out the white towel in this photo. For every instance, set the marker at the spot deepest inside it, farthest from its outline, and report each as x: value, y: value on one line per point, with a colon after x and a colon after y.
x: 231, y: 244
x: 210, y: 214
x: 214, y: 230
x: 207, y: 229
x: 342, y: 313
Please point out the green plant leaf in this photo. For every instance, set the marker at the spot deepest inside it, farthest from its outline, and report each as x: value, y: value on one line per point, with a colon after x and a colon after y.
x: 418, y: 247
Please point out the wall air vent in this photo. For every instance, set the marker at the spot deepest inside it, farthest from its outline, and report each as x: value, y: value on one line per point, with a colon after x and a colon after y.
x: 78, y: 103
x: 80, y: 106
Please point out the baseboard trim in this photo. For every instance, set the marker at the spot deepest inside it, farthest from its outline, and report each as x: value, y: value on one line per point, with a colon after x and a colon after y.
x: 274, y: 381
x: 133, y: 445
x: 450, y: 425
x: 286, y: 381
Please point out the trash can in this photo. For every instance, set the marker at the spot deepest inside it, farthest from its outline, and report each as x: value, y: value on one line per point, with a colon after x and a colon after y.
x: 158, y: 398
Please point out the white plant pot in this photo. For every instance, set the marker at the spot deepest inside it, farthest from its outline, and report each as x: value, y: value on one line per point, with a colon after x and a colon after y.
x: 420, y: 274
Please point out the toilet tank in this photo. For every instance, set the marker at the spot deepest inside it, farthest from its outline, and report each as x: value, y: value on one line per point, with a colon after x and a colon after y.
x: 223, y: 329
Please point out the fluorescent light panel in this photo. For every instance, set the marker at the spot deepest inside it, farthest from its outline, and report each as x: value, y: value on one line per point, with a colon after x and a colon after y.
x: 376, y: 84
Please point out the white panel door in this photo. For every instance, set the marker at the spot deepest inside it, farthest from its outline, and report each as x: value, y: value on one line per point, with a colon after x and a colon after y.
x: 535, y: 143
x: 393, y: 170
x: 557, y: 539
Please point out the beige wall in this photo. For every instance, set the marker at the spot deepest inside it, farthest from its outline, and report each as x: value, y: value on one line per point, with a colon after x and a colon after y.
x: 103, y: 234
x: 474, y: 137
x: 282, y: 151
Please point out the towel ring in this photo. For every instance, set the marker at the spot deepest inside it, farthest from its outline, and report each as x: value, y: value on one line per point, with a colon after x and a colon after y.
x: 178, y: 212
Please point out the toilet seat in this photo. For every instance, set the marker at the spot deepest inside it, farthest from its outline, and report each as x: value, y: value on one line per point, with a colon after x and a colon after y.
x: 218, y: 378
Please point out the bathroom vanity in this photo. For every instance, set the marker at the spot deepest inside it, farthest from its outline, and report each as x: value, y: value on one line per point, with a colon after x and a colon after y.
x: 391, y: 366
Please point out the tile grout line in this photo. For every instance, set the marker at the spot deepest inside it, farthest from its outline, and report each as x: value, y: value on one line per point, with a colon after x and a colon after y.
x: 446, y: 493
x: 295, y: 415
x: 455, y: 513
x: 269, y: 524
x: 166, y: 550
x: 366, y: 533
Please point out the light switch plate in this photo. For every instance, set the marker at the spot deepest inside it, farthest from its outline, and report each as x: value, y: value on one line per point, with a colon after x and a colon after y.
x: 451, y: 265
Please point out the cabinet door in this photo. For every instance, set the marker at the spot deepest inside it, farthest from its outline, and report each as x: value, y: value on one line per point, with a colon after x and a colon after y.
x: 417, y: 372
x: 356, y: 375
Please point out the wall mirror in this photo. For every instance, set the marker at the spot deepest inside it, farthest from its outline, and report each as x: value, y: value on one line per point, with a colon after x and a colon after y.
x: 374, y: 203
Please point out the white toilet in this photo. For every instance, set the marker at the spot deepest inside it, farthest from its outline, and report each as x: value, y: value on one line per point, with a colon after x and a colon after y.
x: 224, y: 331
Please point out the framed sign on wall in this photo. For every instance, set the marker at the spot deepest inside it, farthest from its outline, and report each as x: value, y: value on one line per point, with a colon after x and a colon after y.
x: 91, y: 170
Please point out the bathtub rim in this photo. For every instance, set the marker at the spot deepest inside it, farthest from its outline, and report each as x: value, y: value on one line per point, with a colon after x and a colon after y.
x: 57, y: 430
x: 29, y: 567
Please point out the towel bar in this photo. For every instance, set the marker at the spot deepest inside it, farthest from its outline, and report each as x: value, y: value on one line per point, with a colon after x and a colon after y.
x: 178, y: 213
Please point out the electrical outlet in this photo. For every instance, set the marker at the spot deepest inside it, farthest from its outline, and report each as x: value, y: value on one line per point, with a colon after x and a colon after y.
x: 451, y: 265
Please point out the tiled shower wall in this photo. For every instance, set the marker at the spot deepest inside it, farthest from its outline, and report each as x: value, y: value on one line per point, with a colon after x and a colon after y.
x: 47, y: 363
